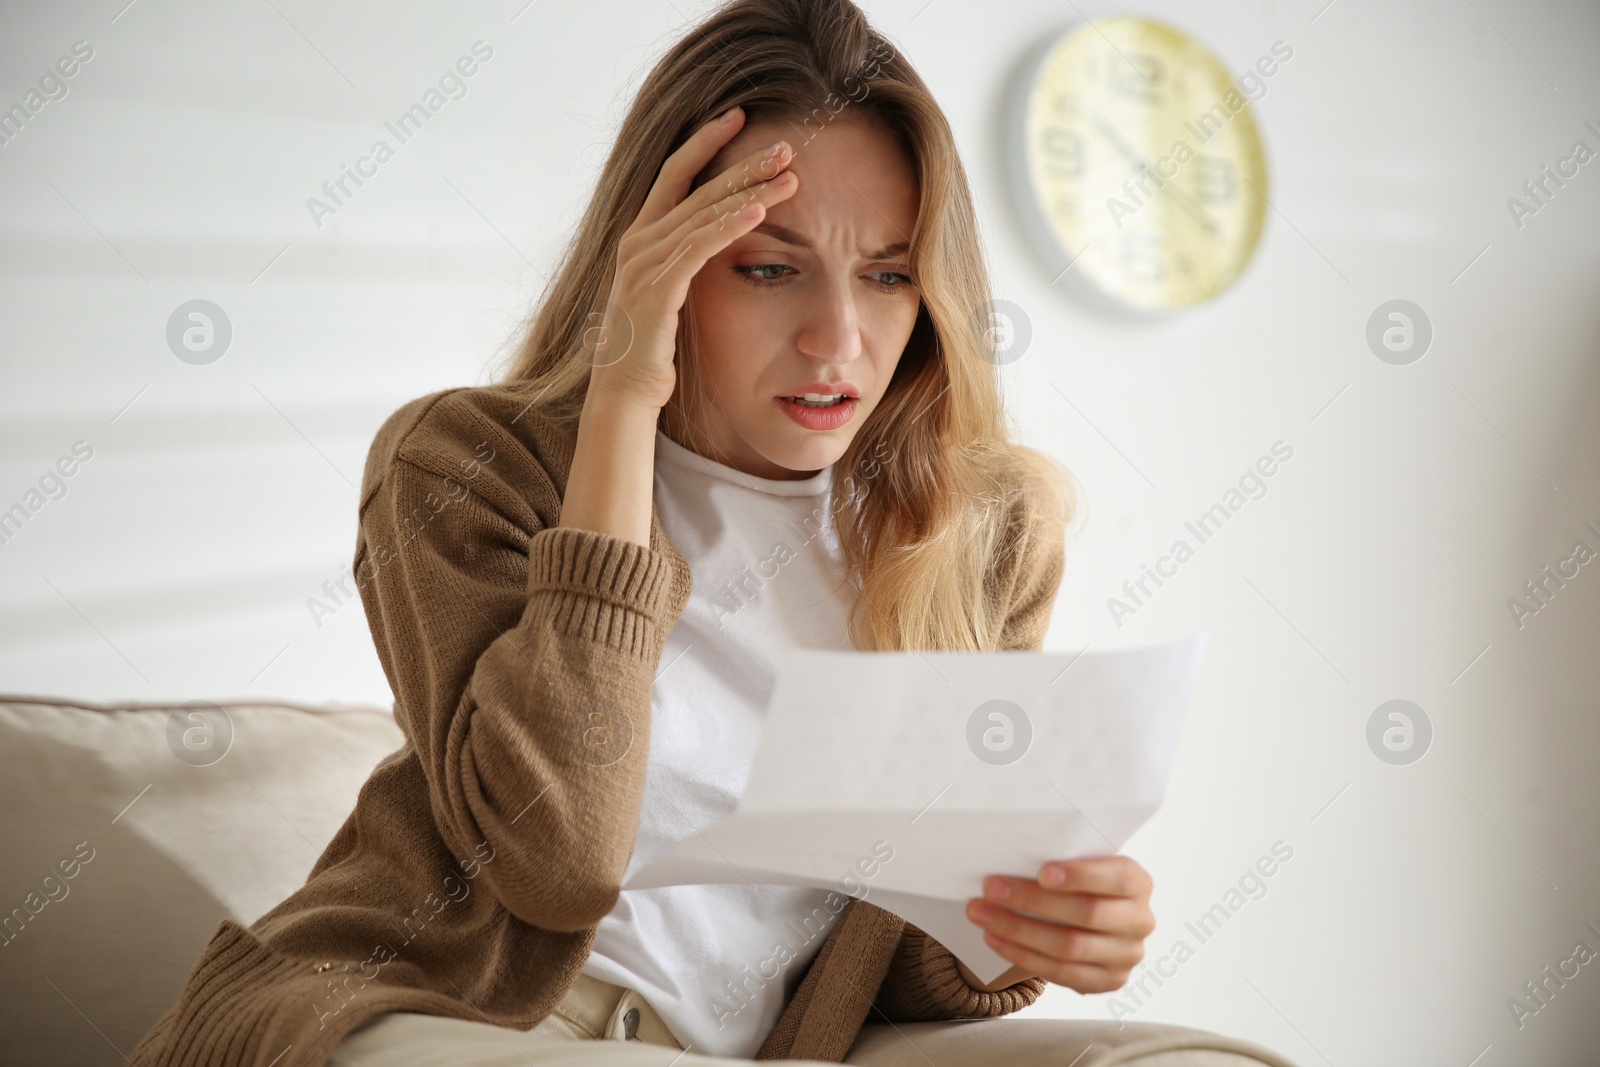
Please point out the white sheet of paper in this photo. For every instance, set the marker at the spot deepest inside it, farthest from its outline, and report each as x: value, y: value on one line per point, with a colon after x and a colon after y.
x: 906, y: 751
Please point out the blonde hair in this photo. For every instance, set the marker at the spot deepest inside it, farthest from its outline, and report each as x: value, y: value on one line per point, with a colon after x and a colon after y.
x: 928, y: 493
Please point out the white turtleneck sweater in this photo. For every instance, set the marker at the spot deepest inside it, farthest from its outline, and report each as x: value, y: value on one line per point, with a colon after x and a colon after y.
x: 719, y: 962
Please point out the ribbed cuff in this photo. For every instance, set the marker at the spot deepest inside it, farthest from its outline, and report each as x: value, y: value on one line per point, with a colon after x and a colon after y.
x: 608, y: 589
x: 951, y: 996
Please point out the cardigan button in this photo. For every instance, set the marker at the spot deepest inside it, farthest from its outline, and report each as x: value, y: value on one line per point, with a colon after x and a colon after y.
x: 630, y: 1024
x: 322, y: 966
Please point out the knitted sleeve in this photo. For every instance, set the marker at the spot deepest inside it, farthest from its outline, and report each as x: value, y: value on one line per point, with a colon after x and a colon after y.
x: 521, y: 655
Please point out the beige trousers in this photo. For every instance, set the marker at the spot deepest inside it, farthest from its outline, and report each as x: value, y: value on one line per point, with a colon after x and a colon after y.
x: 593, y: 1010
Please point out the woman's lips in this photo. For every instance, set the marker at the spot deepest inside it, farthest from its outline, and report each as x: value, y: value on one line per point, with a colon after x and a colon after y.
x: 820, y: 418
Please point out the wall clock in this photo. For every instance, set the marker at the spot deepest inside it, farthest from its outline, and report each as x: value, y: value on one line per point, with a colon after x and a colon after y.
x: 1136, y: 161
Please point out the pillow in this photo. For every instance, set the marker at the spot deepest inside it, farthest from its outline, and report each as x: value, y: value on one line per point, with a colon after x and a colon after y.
x: 132, y: 830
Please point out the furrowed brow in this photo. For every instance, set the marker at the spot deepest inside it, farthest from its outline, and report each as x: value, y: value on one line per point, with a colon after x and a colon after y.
x: 790, y: 237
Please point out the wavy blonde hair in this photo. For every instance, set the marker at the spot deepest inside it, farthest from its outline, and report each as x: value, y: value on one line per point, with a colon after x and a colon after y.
x: 928, y: 493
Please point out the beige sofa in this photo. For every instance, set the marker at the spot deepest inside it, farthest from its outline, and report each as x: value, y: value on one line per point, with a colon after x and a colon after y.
x: 132, y: 830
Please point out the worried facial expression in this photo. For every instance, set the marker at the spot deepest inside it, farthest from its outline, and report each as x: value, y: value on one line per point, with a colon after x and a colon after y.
x: 820, y: 294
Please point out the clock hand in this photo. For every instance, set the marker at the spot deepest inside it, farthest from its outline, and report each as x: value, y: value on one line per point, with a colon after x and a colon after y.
x: 1181, y: 198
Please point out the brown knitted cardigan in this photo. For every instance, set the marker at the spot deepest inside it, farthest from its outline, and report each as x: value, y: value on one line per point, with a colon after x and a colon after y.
x: 469, y: 878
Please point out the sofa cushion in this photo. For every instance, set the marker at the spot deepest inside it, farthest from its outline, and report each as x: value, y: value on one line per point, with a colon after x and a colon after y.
x: 132, y: 830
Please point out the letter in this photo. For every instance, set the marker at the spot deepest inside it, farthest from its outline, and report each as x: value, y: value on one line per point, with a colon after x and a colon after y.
x: 1266, y: 66
x: 17, y: 116
x: 1183, y: 951
x: 467, y: 66
x: 69, y: 867
x: 1267, y: 866
x: 1145, y: 973
x: 1549, y: 177
x: 380, y: 148
x: 418, y: 116
x: 761, y: 569
x: 482, y: 50
x: 1144, y: 173
x: 1252, y: 885
x: 1162, y: 170
x: 1285, y: 55
x: 32, y: 500
x: 1232, y: 895
x: 1254, y: 88
x: 1220, y: 114
x: 1582, y: 551
x: 1182, y: 551
x: 1182, y: 151
x: 1520, y: 611
x: 1527, y: 188
x: 1140, y: 582
x: 1519, y: 1011
x: 1533, y: 994
x: 1129, y: 192
x: 1563, y: 171
x: 45, y: 884
x: 1562, y: 571
x: 1116, y: 1009
x: 1286, y: 854
x: 1582, y: 150
x: 53, y: 86
x: 322, y: 1016
x: 33, y: 101
x: 50, y: 481
x: 1583, y: 952
x: 1154, y: 576
x: 761, y: 968
x: 452, y: 85
x: 1163, y: 973
x: 1287, y: 452
x: 851, y: 884
x: 1219, y: 915
x: 1117, y: 209
x: 86, y: 453
x: 830, y: 898
x: 430, y: 97
x: 66, y: 66
x: 1162, y: 571
x: 826, y: 102
x: 1533, y: 595
x: 82, y: 50
x: 319, y: 209
x: 722, y: 1011
x: 9, y: 919
x: 1128, y: 591
x: 66, y: 466
x: 1230, y: 495
x: 77, y: 850
x: 1544, y: 586
x: 1250, y: 481
x: 788, y: 954
x: 863, y: 864
x: 1544, y: 983
x: 30, y: 898
x: 1118, y: 609
x: 876, y: 851
x: 1218, y: 514
x: 351, y: 175
x: 1562, y: 970
x: 344, y: 177
x: 851, y: 93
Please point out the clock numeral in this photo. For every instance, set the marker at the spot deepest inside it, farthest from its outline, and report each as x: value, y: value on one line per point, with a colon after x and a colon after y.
x: 1215, y: 179
x: 1144, y: 257
x: 1141, y: 76
x: 1063, y: 151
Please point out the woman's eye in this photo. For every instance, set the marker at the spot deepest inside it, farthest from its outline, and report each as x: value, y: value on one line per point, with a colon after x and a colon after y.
x: 751, y: 275
x: 905, y: 280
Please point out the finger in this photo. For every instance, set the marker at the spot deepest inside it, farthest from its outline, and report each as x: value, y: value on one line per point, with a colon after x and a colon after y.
x: 1060, y: 942
x: 736, y: 184
x: 672, y: 183
x: 1116, y: 876
x: 1123, y: 916
x: 715, y: 228
x: 1084, y: 977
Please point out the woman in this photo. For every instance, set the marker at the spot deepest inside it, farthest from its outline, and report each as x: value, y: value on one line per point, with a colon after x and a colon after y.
x: 738, y: 345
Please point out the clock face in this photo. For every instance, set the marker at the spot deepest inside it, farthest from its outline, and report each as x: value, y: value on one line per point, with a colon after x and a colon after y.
x: 1143, y: 168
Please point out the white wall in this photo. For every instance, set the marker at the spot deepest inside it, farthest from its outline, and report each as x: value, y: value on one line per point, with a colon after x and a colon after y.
x: 1419, y: 499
